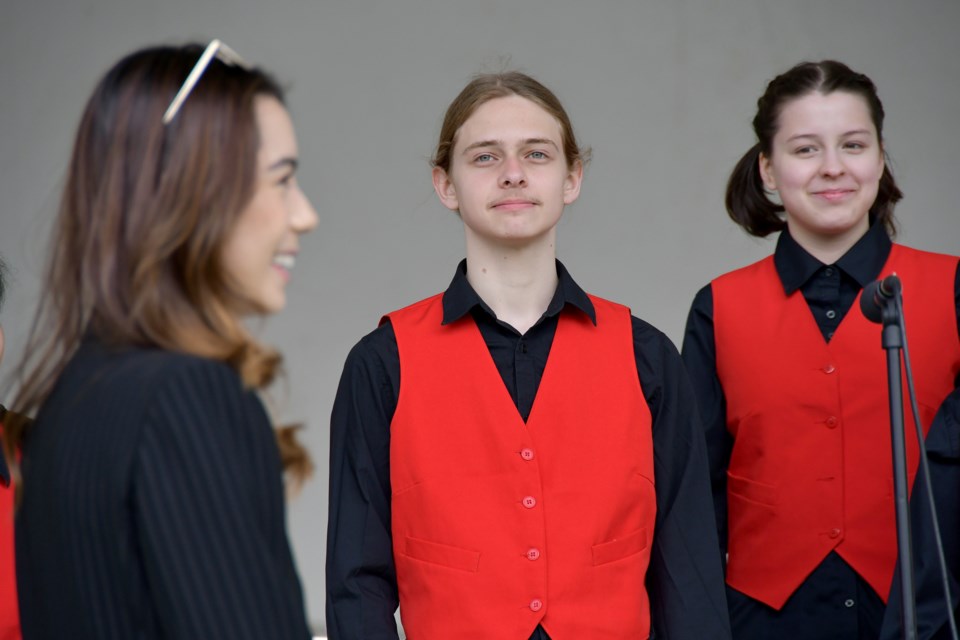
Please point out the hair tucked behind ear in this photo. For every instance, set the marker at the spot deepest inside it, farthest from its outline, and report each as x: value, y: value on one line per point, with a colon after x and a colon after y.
x: 746, y: 198
x: 135, y: 259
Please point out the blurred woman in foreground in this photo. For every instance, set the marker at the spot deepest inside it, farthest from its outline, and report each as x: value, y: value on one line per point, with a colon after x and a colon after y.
x: 150, y: 486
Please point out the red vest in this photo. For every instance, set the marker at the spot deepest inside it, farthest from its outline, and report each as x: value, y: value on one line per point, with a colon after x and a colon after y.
x: 811, y: 467
x: 9, y: 613
x: 499, y: 526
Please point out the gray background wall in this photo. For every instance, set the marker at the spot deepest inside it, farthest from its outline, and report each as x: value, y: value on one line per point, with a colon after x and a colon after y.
x: 662, y: 90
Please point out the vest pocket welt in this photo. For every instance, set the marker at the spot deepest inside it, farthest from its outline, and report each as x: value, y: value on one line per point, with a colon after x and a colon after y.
x: 751, y: 490
x: 620, y: 548
x: 442, y: 554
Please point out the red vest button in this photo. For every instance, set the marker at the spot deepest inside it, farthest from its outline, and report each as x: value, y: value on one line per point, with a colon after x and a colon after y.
x: 529, y: 502
x: 536, y: 605
x: 526, y: 454
x: 829, y: 368
x: 832, y: 422
x: 834, y: 533
x: 533, y: 554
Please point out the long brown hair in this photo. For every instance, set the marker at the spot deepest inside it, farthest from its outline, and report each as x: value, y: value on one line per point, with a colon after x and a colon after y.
x: 135, y: 257
x: 746, y: 199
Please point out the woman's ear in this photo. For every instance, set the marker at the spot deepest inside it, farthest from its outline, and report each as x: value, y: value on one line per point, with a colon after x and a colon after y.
x: 766, y: 172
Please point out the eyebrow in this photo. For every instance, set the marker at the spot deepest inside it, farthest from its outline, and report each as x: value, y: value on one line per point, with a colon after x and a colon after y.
x: 290, y: 162
x: 855, y: 132
x: 499, y: 143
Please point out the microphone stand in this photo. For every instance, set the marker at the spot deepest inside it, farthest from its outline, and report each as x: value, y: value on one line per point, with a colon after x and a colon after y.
x: 892, y: 340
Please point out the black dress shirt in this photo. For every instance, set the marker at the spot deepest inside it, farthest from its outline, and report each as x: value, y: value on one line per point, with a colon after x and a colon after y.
x: 4, y: 470
x: 684, y: 579
x: 833, y: 599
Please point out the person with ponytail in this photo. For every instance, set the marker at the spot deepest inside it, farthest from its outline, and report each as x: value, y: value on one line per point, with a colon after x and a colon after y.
x: 150, y: 488
x: 790, y: 375
x: 514, y: 458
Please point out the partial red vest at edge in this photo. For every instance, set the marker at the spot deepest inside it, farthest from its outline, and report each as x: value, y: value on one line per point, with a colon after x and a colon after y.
x: 9, y: 611
x: 811, y: 467
x: 498, y: 525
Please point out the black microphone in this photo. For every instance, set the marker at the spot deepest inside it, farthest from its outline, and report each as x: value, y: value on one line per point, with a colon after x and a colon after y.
x: 877, y: 295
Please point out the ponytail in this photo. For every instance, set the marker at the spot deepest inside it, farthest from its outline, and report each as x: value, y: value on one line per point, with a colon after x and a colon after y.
x: 747, y: 201
x: 888, y: 195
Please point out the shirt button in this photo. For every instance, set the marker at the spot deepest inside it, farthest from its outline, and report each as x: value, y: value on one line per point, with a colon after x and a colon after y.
x: 533, y: 554
x: 829, y: 368
x: 529, y: 502
x: 828, y: 271
x: 831, y: 314
x: 834, y: 533
x: 536, y: 605
x: 848, y: 603
x: 526, y: 454
x: 832, y: 422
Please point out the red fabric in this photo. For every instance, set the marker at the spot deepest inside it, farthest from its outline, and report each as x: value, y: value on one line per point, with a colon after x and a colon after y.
x: 499, y: 526
x: 811, y: 467
x: 9, y: 612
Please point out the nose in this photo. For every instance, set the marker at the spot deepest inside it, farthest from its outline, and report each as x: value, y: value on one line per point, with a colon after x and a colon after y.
x: 512, y: 174
x: 832, y: 163
x: 304, y: 217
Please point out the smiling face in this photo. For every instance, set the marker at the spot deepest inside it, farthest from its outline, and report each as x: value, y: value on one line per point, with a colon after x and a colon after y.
x: 508, y: 177
x: 826, y: 161
x: 260, y: 250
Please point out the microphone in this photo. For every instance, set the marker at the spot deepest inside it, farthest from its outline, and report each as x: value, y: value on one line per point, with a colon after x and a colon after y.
x: 877, y: 295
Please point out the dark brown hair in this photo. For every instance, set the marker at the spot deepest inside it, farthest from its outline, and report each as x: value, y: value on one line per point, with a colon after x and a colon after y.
x: 488, y: 86
x: 3, y: 282
x: 135, y: 257
x: 746, y: 199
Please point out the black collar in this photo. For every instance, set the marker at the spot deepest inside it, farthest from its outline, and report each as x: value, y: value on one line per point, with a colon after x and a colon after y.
x: 460, y: 298
x: 862, y: 262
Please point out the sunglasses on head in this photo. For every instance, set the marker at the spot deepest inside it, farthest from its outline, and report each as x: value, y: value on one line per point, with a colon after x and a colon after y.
x: 216, y: 49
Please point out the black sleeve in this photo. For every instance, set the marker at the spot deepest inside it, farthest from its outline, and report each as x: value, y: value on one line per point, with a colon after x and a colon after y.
x: 4, y: 470
x: 685, y: 577
x: 362, y: 592
x: 943, y: 456
x: 209, y: 513
x: 700, y: 359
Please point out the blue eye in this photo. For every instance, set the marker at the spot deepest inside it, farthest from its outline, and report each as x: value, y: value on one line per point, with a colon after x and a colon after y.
x: 483, y: 157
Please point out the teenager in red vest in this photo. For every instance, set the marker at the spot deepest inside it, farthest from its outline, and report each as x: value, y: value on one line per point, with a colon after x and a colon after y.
x: 9, y: 612
x: 514, y: 458
x: 791, y: 377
